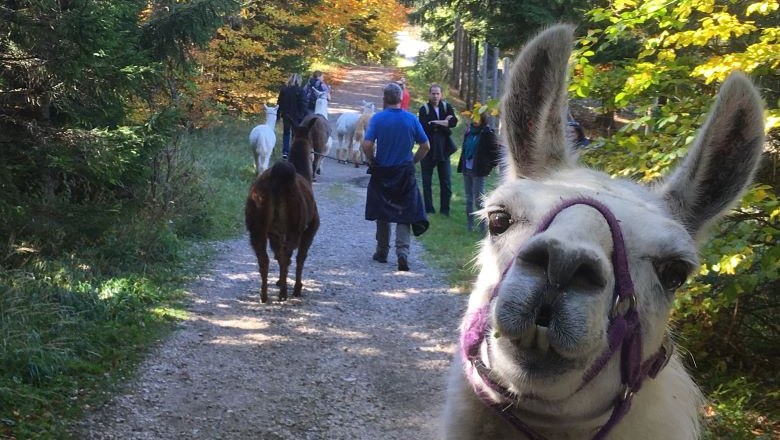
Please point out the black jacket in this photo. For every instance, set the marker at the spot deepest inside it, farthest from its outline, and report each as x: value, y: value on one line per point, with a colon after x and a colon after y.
x: 442, y: 145
x: 393, y: 196
x: 486, y: 155
x: 291, y: 103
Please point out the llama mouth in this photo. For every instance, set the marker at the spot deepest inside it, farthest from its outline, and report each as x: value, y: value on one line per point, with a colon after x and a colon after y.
x: 535, y: 339
x: 534, y: 353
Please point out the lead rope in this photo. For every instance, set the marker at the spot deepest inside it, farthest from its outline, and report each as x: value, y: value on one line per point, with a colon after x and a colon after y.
x: 357, y: 164
x: 624, y: 332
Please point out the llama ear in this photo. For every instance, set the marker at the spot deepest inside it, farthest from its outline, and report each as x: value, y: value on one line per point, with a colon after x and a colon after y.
x: 723, y: 158
x: 533, y: 105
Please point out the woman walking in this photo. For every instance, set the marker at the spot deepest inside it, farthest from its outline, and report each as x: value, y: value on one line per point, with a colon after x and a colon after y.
x: 480, y: 153
x: 292, y: 108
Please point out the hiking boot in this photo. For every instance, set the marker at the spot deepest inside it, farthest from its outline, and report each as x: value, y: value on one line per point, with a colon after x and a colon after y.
x: 403, y: 265
x: 379, y: 257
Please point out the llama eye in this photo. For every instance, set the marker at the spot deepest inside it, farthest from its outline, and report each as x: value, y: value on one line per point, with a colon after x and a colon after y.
x: 672, y: 273
x: 498, y: 222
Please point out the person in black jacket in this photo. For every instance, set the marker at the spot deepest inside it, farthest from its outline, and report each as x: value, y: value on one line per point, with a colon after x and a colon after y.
x: 480, y: 153
x: 292, y: 108
x: 437, y: 118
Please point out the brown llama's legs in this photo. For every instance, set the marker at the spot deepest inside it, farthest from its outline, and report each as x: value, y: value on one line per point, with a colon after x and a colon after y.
x: 300, y: 257
x: 262, y: 261
x: 280, y: 253
x: 258, y: 240
x: 315, y: 164
x: 284, y: 258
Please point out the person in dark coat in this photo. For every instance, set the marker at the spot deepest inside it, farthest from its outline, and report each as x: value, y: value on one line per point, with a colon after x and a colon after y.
x: 480, y: 153
x: 292, y: 108
x: 437, y: 118
x: 393, y: 196
x: 316, y: 82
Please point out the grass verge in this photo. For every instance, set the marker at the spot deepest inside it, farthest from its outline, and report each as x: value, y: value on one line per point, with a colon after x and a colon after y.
x: 74, y: 327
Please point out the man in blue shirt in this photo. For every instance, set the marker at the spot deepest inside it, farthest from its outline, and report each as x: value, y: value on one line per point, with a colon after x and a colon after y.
x: 393, y: 195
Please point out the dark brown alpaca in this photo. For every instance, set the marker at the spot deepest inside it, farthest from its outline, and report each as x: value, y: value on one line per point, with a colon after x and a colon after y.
x: 318, y: 132
x: 281, y: 210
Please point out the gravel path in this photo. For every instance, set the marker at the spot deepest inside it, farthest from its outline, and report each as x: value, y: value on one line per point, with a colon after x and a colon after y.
x: 363, y: 355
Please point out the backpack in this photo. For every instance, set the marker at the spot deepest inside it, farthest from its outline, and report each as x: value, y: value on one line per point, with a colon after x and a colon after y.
x: 582, y: 140
x: 310, y: 93
x: 427, y: 107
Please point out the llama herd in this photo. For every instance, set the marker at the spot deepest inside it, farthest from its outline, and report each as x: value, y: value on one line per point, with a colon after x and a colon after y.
x: 566, y: 331
x: 281, y: 211
x: 350, y: 128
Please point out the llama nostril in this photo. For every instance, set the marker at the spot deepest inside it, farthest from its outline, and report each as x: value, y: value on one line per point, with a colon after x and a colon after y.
x: 588, y: 274
x: 536, y: 255
x: 544, y: 316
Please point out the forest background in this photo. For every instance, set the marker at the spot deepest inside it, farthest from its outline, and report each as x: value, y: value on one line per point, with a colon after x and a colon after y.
x: 110, y: 189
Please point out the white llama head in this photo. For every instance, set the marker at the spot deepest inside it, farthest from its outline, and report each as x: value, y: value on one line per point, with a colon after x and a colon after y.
x: 270, y: 114
x: 545, y: 294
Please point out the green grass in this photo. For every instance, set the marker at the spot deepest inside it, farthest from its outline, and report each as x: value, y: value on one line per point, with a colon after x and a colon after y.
x: 71, y: 330
x: 224, y: 153
x: 75, y: 325
x: 448, y: 243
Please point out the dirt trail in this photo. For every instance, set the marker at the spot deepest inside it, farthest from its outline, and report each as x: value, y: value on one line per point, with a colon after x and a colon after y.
x: 363, y: 355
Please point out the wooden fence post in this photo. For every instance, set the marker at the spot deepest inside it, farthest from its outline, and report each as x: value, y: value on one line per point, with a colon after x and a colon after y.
x: 462, y: 85
x: 457, y: 57
x: 483, y: 72
x: 494, y: 64
x: 473, y: 75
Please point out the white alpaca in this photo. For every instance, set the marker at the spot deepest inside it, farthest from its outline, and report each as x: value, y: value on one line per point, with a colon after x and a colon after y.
x: 556, y: 279
x: 345, y: 131
x: 262, y: 140
x: 321, y: 105
x: 356, y: 154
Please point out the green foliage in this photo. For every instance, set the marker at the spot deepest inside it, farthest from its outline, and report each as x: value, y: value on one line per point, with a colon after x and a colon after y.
x: 503, y: 23
x: 99, y: 194
x: 247, y: 61
x: 223, y: 151
x: 726, y: 314
x: 431, y: 67
x: 72, y: 323
x: 83, y: 123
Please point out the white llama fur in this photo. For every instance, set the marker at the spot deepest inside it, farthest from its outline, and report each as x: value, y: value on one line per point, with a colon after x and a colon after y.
x: 567, y: 269
x: 262, y: 140
x: 321, y: 105
x: 345, y: 131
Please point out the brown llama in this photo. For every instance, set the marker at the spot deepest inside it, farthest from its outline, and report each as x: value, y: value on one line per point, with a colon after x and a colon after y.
x: 318, y: 131
x: 281, y: 210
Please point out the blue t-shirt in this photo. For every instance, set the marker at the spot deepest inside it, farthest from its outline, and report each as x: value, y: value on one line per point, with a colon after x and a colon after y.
x: 394, y: 132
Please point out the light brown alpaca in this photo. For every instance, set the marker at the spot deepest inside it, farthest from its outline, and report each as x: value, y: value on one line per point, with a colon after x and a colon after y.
x: 568, y: 317
x: 356, y: 153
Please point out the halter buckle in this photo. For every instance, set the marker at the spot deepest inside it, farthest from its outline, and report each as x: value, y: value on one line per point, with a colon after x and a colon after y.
x: 627, y: 394
x: 619, y: 307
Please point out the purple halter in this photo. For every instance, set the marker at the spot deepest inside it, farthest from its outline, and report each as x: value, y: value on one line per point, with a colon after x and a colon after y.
x: 624, y: 333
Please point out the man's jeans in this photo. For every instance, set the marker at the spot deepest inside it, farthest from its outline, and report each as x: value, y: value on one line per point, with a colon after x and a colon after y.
x: 403, y: 238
